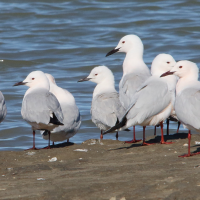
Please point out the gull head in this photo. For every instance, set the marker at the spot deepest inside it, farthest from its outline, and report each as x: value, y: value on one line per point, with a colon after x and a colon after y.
x: 184, y: 68
x: 35, y: 78
x: 128, y: 43
x: 162, y: 63
x: 99, y: 74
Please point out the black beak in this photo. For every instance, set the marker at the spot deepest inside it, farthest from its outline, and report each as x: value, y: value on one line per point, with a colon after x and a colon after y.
x: 112, y: 52
x: 167, y: 73
x: 84, y: 79
x: 19, y: 83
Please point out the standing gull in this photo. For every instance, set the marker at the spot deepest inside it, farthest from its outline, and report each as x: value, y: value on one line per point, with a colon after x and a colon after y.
x: 154, y: 100
x: 135, y: 71
x: 40, y: 108
x: 72, y: 118
x: 187, y: 104
x: 106, y: 109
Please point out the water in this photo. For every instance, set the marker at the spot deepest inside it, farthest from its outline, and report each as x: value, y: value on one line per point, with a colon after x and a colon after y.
x: 68, y: 38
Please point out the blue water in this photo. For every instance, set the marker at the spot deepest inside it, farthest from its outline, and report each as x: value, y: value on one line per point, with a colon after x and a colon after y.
x: 68, y: 38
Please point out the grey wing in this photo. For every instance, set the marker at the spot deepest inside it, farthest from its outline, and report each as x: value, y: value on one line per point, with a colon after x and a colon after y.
x: 107, y: 109
x: 187, y: 107
x: 3, y: 109
x: 128, y: 86
x: 38, y: 106
x: 150, y: 100
x: 72, y: 120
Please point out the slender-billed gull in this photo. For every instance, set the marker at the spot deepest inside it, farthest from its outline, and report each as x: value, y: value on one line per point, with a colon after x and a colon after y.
x: 106, y: 109
x: 154, y: 100
x: 187, y: 104
x: 40, y: 108
x: 135, y: 71
x: 72, y: 118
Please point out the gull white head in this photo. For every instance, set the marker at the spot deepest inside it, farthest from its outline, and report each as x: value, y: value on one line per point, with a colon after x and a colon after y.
x: 184, y: 69
x: 162, y: 63
x: 100, y: 74
x: 50, y: 78
x: 127, y: 44
x: 35, y: 79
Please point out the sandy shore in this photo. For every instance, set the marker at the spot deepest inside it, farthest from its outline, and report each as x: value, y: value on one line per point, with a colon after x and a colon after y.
x: 108, y: 170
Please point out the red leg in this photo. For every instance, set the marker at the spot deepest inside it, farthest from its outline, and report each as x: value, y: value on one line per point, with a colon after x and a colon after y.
x: 33, y: 148
x: 53, y: 144
x: 101, y: 136
x: 189, y: 154
x: 162, y: 135
x: 117, y: 136
x: 134, y: 138
x: 154, y: 130
x: 144, y: 143
x: 67, y: 140
x: 167, y: 126
x: 179, y: 123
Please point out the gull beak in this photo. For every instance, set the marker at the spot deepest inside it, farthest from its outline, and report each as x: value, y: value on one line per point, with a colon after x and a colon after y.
x: 84, y: 79
x: 167, y: 73
x: 112, y: 52
x: 20, y: 83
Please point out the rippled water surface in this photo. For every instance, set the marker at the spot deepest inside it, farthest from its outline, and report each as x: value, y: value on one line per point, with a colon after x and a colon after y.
x: 68, y: 38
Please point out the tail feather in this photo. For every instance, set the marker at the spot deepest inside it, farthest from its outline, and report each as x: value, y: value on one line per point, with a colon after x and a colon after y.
x: 117, y: 126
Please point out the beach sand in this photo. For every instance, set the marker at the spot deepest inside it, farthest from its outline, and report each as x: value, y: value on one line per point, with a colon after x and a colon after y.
x: 107, y: 169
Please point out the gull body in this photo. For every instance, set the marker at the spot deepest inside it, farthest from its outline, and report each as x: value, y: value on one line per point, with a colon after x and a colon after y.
x: 40, y: 108
x: 106, y: 109
x: 187, y: 104
x: 72, y: 118
x: 135, y: 71
x: 154, y: 100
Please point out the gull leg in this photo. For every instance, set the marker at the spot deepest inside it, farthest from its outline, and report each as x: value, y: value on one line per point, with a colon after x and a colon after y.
x: 101, y: 136
x: 179, y: 123
x: 134, y: 138
x: 68, y: 140
x: 144, y: 143
x: 154, y: 130
x: 117, y: 135
x: 162, y: 135
x: 167, y: 126
x: 49, y: 147
x: 33, y: 148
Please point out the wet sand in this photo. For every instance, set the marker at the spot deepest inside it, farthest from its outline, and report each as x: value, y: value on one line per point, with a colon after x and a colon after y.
x: 107, y: 169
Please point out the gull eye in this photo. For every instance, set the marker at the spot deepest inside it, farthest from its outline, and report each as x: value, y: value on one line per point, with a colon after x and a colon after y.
x: 33, y: 78
x: 123, y: 42
x: 96, y: 74
x: 180, y: 66
x: 168, y: 62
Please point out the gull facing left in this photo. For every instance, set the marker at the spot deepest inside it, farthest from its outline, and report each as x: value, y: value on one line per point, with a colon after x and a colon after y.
x: 40, y: 108
x: 106, y: 109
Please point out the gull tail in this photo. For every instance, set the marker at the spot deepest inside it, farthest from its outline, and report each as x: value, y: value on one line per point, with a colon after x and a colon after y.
x: 117, y: 126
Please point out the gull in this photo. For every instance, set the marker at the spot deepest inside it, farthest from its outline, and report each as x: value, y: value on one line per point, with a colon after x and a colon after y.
x: 135, y: 71
x: 40, y: 108
x: 72, y: 118
x: 154, y: 99
x: 187, y: 97
x: 106, y: 109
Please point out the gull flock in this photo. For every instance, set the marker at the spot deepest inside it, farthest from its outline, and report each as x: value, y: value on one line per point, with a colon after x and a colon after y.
x: 170, y: 90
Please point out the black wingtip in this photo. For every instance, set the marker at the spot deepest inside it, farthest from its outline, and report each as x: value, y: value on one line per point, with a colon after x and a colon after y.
x: 117, y: 126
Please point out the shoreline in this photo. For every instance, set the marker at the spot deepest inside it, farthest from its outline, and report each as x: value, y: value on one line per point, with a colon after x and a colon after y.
x: 106, y: 169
